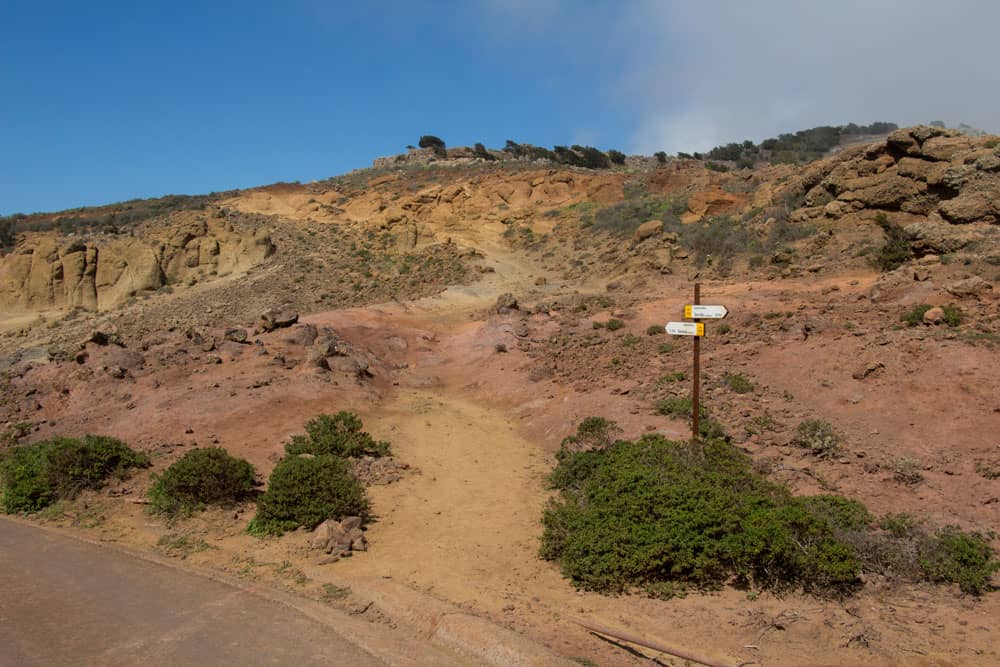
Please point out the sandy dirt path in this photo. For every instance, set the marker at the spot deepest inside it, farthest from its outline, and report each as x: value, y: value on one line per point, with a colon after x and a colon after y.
x: 467, y: 525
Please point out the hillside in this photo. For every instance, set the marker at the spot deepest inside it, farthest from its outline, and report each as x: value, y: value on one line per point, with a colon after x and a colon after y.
x: 475, y: 310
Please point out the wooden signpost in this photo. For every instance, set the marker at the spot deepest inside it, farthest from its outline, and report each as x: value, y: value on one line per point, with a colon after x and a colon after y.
x: 696, y: 311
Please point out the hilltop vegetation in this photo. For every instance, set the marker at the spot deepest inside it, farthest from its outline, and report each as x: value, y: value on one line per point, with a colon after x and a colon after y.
x: 795, y: 148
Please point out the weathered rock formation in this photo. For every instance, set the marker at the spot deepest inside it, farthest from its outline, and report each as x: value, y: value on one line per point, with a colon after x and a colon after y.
x: 46, y: 271
x: 921, y: 171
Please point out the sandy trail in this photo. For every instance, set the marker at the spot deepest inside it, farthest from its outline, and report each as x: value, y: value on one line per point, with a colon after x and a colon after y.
x: 466, y: 526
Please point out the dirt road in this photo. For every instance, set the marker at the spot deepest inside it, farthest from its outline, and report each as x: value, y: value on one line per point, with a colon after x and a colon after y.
x: 65, y: 602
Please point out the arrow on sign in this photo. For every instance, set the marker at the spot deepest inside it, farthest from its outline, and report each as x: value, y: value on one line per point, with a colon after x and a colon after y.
x: 686, y: 328
x: 699, y: 312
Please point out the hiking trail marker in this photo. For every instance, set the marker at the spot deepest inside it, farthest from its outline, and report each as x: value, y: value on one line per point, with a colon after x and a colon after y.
x: 699, y: 312
x: 685, y: 328
x: 696, y: 311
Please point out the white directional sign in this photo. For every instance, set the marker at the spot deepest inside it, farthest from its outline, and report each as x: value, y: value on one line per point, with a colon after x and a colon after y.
x: 686, y: 328
x: 705, y: 312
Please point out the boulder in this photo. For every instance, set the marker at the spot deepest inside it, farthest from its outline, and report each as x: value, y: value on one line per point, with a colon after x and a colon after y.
x: 331, y: 346
x: 316, y: 359
x: 278, y: 318
x: 970, y: 207
x: 302, y: 334
x: 886, y: 191
x: 647, y: 230
x: 339, y: 538
x: 934, y: 316
x: 355, y: 366
x: 325, y: 532
x: 944, y: 148
x: 974, y: 287
x: 505, y: 302
x: 936, y: 236
x: 921, y: 170
x: 235, y: 335
x: 868, y: 370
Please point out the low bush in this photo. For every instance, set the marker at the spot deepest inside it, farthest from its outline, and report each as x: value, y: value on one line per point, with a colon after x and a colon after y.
x: 305, y: 491
x: 338, y: 434
x: 738, y: 383
x: 592, y: 433
x: 655, y: 330
x: 659, y: 516
x: 961, y: 558
x: 35, y: 476
x: 430, y: 141
x: 715, y: 240
x: 641, y: 514
x: 896, y: 250
x: 953, y: 315
x: 204, y: 476
x: 679, y: 406
x: 915, y: 315
x: 616, y: 157
x: 818, y: 437
x: 614, y: 324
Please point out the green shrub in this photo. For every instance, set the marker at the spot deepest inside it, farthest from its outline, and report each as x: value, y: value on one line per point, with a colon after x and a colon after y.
x: 896, y: 250
x: 614, y: 324
x: 899, y: 525
x: 962, y: 558
x: 818, y: 437
x: 679, y: 406
x: 616, y: 157
x: 841, y: 513
x: 907, y: 471
x: 201, y: 477
x: 665, y: 348
x: 915, y: 315
x: 14, y: 434
x: 592, y: 433
x: 8, y: 228
x: 661, y: 157
x: 34, y: 476
x: 715, y: 240
x: 430, y: 141
x: 480, y: 151
x: 953, y: 315
x: 630, y: 340
x: 305, y: 491
x: 676, y: 376
x: 655, y: 330
x: 738, y: 383
x: 645, y: 513
x: 338, y: 434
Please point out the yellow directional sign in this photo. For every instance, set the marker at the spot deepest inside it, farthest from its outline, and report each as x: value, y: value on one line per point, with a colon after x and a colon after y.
x: 700, y: 312
x: 686, y: 328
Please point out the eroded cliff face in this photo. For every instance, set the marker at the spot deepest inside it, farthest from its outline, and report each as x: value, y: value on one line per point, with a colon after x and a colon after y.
x: 48, y: 271
x: 920, y: 171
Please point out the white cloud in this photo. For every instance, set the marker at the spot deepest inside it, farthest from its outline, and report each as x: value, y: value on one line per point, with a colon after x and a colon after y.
x: 750, y: 70
x: 696, y: 74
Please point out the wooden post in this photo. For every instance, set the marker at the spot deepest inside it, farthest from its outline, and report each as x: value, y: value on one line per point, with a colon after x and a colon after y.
x: 696, y: 391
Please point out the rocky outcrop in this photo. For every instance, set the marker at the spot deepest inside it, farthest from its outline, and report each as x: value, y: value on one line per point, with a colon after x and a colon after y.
x: 923, y: 171
x: 709, y: 202
x: 45, y: 271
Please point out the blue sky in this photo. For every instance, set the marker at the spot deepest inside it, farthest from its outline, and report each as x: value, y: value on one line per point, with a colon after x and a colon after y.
x: 106, y: 101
